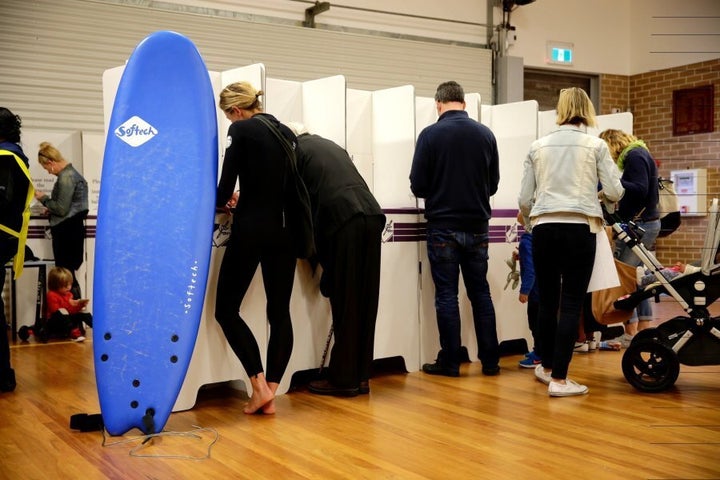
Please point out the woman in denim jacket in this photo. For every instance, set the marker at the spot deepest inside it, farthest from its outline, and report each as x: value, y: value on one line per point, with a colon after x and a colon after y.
x: 559, y: 201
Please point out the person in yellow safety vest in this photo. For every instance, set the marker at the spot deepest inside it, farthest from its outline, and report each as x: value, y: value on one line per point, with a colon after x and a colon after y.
x: 16, y: 192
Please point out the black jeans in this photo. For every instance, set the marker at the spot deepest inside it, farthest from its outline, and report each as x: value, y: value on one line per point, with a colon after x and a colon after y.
x: 351, y: 272
x: 564, y: 254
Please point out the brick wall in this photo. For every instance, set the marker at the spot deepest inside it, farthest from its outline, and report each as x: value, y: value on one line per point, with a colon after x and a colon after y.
x: 649, y: 97
x: 614, y: 94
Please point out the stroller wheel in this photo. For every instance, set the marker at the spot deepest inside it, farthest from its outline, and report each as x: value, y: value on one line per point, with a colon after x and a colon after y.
x: 650, y: 366
x: 24, y: 333
x: 42, y: 335
x: 645, y: 335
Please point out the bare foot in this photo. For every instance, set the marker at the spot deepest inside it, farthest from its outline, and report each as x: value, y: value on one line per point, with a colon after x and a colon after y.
x: 269, y: 408
x: 261, y: 396
x: 258, y: 401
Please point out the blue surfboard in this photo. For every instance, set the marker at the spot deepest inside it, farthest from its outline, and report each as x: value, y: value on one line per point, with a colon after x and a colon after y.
x: 154, y: 231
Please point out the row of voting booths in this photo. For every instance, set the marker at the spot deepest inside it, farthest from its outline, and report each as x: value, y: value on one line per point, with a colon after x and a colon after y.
x: 378, y: 129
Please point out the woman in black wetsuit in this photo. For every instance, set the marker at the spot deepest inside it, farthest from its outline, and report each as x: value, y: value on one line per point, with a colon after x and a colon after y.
x: 258, y: 236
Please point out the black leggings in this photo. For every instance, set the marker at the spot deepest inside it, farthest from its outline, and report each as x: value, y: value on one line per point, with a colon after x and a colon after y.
x: 277, y: 262
x: 563, y: 254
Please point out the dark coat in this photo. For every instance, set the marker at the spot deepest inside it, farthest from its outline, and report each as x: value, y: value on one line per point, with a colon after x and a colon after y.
x: 337, y: 190
x: 14, y: 185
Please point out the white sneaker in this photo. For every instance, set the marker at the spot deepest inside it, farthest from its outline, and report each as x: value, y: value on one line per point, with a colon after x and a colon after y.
x: 570, y: 388
x: 542, y: 376
x: 581, y: 347
x: 79, y: 339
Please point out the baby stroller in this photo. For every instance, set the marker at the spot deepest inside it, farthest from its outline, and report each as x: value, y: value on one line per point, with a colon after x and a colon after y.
x: 652, y: 361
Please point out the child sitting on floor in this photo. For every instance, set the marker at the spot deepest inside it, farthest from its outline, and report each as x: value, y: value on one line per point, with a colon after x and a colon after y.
x: 65, y: 315
x: 646, y: 277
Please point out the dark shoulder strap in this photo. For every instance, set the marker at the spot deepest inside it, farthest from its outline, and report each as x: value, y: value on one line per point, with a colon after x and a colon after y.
x: 278, y: 134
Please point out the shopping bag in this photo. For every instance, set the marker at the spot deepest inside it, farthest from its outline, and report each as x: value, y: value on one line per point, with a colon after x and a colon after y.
x: 604, y: 274
x: 602, y: 300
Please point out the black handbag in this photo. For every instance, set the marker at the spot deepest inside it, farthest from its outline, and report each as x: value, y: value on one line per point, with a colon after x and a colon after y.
x: 297, y: 215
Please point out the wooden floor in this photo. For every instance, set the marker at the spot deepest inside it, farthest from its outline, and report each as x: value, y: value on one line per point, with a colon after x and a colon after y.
x: 411, y: 426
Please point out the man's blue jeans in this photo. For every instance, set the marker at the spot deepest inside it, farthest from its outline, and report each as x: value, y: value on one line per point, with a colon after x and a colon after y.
x: 450, y: 252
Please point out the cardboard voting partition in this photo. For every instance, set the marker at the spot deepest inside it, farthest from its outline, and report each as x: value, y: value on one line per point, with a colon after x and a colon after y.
x: 398, y: 330
x: 360, y: 132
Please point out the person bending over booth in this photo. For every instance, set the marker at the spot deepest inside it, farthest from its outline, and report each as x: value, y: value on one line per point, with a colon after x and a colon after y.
x: 348, y: 223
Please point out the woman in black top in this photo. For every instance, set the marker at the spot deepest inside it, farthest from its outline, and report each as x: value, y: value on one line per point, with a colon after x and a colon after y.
x: 258, y: 236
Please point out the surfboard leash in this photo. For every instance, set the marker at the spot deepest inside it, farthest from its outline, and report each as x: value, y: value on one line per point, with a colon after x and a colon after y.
x: 198, y: 434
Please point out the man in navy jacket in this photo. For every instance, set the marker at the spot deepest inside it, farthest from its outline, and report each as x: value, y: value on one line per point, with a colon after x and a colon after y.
x: 456, y: 170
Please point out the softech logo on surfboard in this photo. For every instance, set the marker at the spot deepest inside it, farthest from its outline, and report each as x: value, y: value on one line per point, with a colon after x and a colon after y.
x: 135, y: 131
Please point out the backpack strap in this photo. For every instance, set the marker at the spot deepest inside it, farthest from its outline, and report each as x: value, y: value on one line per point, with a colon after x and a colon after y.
x: 22, y: 234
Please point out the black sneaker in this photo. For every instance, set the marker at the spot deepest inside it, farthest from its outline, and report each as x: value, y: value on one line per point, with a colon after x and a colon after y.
x: 324, y: 387
x: 491, y: 371
x: 437, y: 369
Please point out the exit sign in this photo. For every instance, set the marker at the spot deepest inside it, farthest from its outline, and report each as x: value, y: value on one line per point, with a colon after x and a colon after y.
x: 559, y: 53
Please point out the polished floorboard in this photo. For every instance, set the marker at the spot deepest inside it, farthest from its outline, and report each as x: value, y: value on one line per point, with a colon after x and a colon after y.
x: 410, y: 426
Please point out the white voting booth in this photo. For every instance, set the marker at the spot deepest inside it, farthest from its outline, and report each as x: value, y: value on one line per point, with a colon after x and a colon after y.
x: 379, y: 130
x: 393, y: 142
x: 93, y: 147
x: 515, y: 127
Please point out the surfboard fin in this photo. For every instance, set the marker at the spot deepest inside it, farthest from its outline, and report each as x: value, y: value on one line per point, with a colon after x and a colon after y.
x: 149, y: 423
